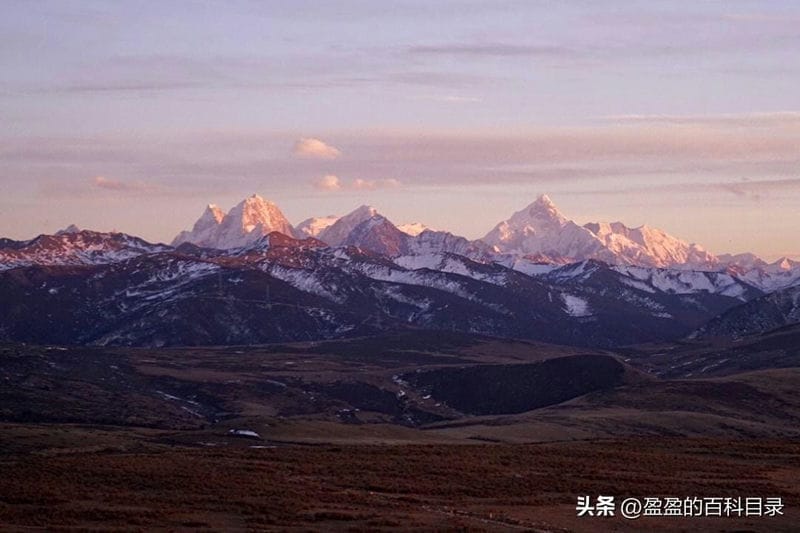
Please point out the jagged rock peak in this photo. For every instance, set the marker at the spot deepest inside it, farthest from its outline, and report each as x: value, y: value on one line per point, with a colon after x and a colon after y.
x: 245, y: 223
x: 72, y: 228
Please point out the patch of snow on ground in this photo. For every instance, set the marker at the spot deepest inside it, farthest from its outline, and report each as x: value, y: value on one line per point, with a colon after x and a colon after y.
x: 575, y: 306
x: 304, y: 280
x: 533, y: 269
x: 637, y: 284
x: 244, y: 433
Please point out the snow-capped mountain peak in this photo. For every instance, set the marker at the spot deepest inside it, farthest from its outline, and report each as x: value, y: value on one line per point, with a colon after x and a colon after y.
x: 81, y: 247
x: 311, y: 227
x: 337, y: 232
x: 783, y: 264
x: 741, y: 262
x: 255, y: 211
x: 542, y: 231
x: 539, y: 214
x: 213, y: 214
x: 245, y: 223
x: 363, y: 211
x: 413, y: 228
x: 539, y: 217
x: 650, y: 246
x: 379, y: 235
x: 544, y: 208
x: 768, y: 277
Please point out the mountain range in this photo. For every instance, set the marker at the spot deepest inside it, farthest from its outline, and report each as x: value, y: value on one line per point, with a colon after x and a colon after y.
x: 538, y: 234
x: 249, y: 276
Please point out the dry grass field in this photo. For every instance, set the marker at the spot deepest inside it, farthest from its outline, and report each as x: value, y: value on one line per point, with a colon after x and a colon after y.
x: 425, y: 432
x: 493, y: 487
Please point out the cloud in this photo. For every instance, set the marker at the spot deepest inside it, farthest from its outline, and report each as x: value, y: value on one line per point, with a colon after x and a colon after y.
x: 755, y: 190
x: 202, y: 163
x: 776, y: 118
x: 491, y: 50
x: 779, y: 18
x: 124, y: 86
x: 311, y: 148
x: 759, y: 189
x: 437, y: 78
x: 328, y: 182
x: 369, y: 185
x: 109, y: 184
x: 450, y: 99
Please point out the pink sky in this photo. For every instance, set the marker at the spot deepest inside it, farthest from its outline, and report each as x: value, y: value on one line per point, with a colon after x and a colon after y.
x: 684, y: 116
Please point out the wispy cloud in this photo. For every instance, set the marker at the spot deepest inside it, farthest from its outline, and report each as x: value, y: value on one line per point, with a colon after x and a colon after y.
x: 199, y: 164
x: 451, y: 99
x: 331, y: 182
x: 758, y: 189
x: 496, y: 49
x: 110, y: 184
x: 776, y: 118
x: 787, y: 18
x: 755, y: 190
x: 328, y: 182
x: 370, y: 185
x: 440, y: 78
x: 117, y: 86
x: 309, y: 147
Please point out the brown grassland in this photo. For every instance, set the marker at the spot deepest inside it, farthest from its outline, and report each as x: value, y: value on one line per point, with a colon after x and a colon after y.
x: 494, y: 487
x: 423, y: 431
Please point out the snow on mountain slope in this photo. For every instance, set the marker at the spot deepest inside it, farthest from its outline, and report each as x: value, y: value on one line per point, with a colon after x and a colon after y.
x: 686, y: 281
x: 308, y: 281
x: 76, y: 248
x: 413, y: 228
x: 648, y: 246
x: 771, y: 277
x: 245, y: 223
x: 343, y: 275
x: 528, y: 266
x: 783, y: 264
x: 775, y: 310
x: 378, y: 235
x: 573, y: 272
x: 282, y: 288
x: 312, y: 227
x: 441, y: 281
x: 526, y: 284
x: 541, y: 230
x: 453, y: 264
x: 544, y: 234
x: 741, y: 262
x: 155, y: 279
x: 337, y: 232
x: 432, y: 242
x: 204, y: 230
x: 575, y: 306
x: 651, y: 280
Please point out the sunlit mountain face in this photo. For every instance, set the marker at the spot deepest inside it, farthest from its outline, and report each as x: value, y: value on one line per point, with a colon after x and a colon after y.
x: 253, y: 277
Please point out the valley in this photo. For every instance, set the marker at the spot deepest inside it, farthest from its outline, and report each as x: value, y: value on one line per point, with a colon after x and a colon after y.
x: 419, y: 385
x: 414, y: 430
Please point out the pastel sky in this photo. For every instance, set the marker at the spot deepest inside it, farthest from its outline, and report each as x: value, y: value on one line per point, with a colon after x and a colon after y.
x: 684, y: 115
